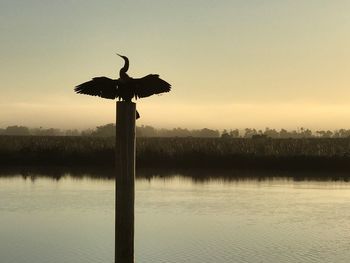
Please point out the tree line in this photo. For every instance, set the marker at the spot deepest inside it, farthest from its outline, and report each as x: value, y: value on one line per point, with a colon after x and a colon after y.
x: 149, y: 131
x: 109, y: 130
x: 283, y: 133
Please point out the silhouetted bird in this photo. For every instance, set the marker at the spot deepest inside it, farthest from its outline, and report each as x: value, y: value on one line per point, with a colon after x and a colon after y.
x: 125, y: 88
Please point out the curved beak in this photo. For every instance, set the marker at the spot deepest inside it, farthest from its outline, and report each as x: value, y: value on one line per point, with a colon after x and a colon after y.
x: 120, y: 55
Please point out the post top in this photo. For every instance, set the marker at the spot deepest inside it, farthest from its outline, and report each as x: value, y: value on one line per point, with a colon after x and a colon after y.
x: 125, y: 103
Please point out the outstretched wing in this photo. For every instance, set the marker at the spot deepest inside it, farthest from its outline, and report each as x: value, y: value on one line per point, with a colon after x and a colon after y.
x: 150, y: 85
x: 100, y: 86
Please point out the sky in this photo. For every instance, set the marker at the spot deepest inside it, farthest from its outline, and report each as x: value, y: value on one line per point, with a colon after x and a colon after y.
x: 231, y: 63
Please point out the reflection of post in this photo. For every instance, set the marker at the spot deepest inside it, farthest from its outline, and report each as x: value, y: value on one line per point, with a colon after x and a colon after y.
x: 125, y: 182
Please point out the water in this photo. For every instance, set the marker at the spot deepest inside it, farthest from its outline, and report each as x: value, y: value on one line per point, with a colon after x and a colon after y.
x: 177, y: 220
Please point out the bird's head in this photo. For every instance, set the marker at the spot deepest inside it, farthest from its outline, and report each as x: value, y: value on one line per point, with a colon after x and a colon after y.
x: 126, y: 65
x: 124, y: 57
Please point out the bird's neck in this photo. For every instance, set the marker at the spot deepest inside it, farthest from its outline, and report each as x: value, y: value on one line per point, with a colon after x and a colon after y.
x: 123, y: 70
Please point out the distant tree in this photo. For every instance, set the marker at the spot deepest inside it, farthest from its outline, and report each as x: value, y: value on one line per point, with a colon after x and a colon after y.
x: 146, y: 131
x: 248, y: 133
x: 87, y: 132
x: 16, y: 130
x: 345, y: 133
x: 342, y: 133
x: 234, y: 133
x: 208, y: 133
x: 305, y: 133
x: 324, y: 134
x: 176, y: 132
x: 284, y: 134
x: 46, y: 132
x: 2, y: 131
x: 272, y: 133
x: 294, y: 134
x: 319, y: 133
x: 229, y: 134
x: 329, y: 134
x: 225, y: 134
x: 74, y: 132
x: 180, y: 132
x: 51, y: 132
x: 164, y: 133
x: 139, y: 132
x: 107, y: 130
x: 35, y: 131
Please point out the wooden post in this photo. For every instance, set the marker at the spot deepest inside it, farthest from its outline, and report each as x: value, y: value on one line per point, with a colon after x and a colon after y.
x: 125, y: 182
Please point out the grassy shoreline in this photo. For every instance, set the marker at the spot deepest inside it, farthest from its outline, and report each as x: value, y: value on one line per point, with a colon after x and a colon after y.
x: 313, y: 154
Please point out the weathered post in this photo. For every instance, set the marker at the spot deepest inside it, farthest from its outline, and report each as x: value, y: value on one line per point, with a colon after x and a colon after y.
x: 125, y: 182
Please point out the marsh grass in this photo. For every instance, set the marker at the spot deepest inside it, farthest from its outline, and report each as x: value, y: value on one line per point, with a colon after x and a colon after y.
x: 266, y: 153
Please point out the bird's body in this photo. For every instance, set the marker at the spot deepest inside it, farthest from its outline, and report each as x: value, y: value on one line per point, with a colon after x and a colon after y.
x: 125, y: 88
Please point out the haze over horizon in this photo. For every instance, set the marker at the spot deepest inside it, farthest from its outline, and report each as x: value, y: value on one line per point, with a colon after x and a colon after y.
x: 232, y: 64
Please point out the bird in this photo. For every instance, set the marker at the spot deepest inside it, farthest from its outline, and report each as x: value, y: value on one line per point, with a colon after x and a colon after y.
x: 125, y: 88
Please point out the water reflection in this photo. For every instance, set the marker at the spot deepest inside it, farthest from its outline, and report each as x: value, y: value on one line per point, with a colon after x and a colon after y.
x: 196, y: 175
x: 70, y: 218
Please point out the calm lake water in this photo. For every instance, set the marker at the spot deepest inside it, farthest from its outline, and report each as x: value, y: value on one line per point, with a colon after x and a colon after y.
x: 71, y: 220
